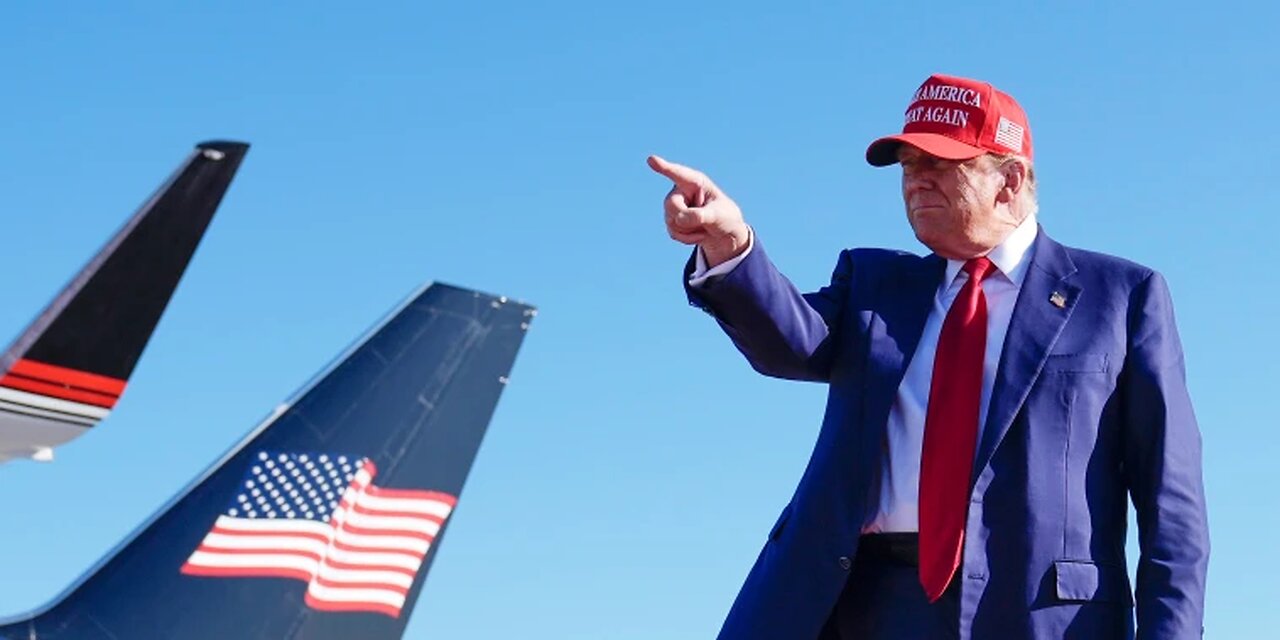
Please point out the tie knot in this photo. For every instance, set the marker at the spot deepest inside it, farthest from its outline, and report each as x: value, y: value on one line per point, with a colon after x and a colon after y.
x: 979, y: 268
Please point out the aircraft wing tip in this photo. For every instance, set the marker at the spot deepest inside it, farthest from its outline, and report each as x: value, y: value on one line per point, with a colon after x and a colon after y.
x: 225, y: 147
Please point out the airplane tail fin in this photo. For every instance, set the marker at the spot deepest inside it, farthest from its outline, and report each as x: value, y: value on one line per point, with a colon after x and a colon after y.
x: 323, y: 522
x: 66, y: 371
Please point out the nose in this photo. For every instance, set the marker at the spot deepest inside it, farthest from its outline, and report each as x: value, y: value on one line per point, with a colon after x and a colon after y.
x: 912, y: 180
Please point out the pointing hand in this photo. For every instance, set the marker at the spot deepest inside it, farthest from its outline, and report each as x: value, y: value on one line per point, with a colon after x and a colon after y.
x: 698, y: 212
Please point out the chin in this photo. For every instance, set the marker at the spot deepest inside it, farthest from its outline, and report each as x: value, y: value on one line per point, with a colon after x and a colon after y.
x: 946, y: 244
x: 929, y: 236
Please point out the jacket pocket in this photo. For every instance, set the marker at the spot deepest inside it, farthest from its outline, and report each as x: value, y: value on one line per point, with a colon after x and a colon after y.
x: 781, y: 523
x: 1076, y: 363
x: 1084, y: 581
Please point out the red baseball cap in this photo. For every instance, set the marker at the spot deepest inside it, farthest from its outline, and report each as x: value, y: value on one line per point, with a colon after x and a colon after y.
x: 957, y: 119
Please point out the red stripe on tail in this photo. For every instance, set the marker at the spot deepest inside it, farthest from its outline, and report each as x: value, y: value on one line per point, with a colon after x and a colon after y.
x: 69, y: 377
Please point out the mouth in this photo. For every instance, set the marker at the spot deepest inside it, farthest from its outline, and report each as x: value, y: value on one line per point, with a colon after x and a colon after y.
x: 921, y: 200
x: 924, y: 207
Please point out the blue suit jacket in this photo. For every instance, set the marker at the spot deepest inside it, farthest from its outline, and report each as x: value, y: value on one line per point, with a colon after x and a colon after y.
x: 1089, y: 407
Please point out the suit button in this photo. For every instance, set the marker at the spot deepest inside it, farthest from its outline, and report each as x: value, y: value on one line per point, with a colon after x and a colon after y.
x: 845, y: 563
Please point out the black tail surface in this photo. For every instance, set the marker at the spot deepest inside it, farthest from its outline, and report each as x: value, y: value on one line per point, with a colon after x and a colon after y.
x: 324, y: 521
x: 68, y: 369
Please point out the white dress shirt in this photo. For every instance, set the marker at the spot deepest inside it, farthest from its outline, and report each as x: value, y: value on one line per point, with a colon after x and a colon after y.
x: 900, y: 476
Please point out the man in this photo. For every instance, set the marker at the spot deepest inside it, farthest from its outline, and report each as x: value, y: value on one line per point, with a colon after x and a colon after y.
x: 991, y: 405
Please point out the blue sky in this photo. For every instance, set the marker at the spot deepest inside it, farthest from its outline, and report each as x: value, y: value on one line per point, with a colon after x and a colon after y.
x: 635, y: 462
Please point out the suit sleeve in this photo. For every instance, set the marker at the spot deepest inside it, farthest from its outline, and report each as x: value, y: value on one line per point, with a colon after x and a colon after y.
x: 781, y: 332
x: 1162, y: 467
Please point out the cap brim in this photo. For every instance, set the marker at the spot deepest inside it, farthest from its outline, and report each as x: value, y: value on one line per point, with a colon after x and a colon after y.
x: 884, y: 152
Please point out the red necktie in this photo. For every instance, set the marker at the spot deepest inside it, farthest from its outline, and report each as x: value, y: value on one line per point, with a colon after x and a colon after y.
x: 951, y: 432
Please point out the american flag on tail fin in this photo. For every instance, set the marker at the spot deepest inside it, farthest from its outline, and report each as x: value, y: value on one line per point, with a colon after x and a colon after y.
x: 320, y: 519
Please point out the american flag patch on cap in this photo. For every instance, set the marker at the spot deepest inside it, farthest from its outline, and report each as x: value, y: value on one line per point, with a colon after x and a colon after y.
x: 1009, y: 134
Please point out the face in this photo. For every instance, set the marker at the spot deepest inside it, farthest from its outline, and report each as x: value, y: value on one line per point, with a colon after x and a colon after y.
x: 959, y: 209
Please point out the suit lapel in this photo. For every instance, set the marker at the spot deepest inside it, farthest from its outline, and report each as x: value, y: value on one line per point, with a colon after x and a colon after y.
x: 1043, y: 307
x: 903, y: 299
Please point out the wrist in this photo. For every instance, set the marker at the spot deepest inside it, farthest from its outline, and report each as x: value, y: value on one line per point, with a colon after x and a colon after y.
x: 726, y: 247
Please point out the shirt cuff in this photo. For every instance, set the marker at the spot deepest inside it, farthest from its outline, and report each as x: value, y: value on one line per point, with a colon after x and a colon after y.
x: 701, y: 274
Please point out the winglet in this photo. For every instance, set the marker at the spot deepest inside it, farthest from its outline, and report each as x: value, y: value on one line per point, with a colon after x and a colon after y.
x: 67, y: 370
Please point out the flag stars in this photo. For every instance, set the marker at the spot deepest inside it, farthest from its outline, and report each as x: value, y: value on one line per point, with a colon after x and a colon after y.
x: 294, y: 486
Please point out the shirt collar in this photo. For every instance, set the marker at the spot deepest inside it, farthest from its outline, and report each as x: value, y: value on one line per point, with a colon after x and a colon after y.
x: 1011, y: 257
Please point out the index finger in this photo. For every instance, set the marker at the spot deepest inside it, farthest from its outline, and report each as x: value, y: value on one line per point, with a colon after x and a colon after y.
x: 681, y: 175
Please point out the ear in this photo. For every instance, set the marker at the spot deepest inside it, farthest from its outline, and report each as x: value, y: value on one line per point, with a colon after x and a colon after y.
x: 1015, y: 180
